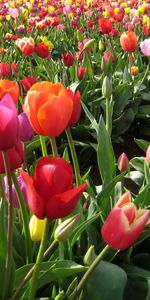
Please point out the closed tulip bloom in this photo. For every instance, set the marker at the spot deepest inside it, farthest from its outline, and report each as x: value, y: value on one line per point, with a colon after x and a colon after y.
x: 25, y: 45
x: 22, y: 188
x: 49, y: 108
x: 128, y: 41
x: 15, y: 156
x: 124, y: 224
x: 26, y: 132
x: 9, y: 125
x: 123, y: 162
x: 9, y: 87
x: 68, y: 59
x: 76, y: 112
x: 36, y: 227
x: 5, y: 69
x: 148, y: 155
x: 82, y: 71
x: 145, y: 47
x: 51, y: 193
x: 27, y: 82
x: 42, y: 50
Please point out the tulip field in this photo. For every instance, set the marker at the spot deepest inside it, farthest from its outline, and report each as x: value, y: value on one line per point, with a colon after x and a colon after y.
x: 74, y: 150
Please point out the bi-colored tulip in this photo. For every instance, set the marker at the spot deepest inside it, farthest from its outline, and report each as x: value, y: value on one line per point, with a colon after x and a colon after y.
x: 49, y: 108
x: 15, y: 157
x: 26, y: 45
x: 9, y: 124
x: 124, y: 224
x: 128, y: 41
x: 51, y: 193
x: 9, y: 87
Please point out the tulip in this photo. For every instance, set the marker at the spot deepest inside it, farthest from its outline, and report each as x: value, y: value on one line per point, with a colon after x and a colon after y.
x: 49, y: 108
x: 65, y: 229
x: 76, y: 107
x: 123, y: 162
x: 134, y: 70
x: 128, y: 41
x: 42, y: 50
x: 5, y: 69
x: 50, y: 193
x: 27, y: 82
x: 36, y: 227
x: 9, y: 87
x: 124, y: 224
x: 82, y: 72
x: 145, y: 47
x: 25, y: 45
x: 26, y: 132
x: 15, y: 157
x: 9, y: 125
x: 108, y: 56
x: 22, y: 188
x: 148, y: 155
x: 105, y: 25
x: 68, y: 59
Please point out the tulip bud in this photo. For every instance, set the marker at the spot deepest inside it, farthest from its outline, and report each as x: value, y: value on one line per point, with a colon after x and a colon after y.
x: 101, y: 46
x: 88, y: 44
x: 36, y: 227
x: 148, y: 155
x: 123, y: 162
x: 107, y: 87
x: 64, y: 230
x: 134, y: 70
x: 89, y: 256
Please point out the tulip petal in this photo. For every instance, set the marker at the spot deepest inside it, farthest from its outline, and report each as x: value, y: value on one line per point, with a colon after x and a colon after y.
x: 35, y: 202
x: 125, y: 199
x: 59, y: 206
x: 54, y: 114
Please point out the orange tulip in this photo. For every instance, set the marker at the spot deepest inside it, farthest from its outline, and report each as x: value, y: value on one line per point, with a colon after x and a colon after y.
x: 48, y: 107
x: 9, y: 87
x: 128, y: 41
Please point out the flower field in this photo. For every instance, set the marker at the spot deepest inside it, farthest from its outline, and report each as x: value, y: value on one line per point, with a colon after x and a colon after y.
x: 74, y: 210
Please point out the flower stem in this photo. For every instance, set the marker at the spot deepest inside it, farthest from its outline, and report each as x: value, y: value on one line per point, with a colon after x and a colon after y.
x: 25, y: 220
x: 29, y: 274
x: 74, y: 156
x: 90, y: 270
x: 43, y: 146
x: 9, y: 226
x: 108, y: 116
x: 39, y: 261
x: 54, y: 147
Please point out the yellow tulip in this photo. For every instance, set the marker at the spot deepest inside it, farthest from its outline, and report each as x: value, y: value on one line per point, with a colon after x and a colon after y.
x: 36, y: 227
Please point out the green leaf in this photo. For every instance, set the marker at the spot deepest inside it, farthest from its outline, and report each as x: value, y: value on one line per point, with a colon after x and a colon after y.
x: 90, y: 117
x: 105, y: 154
x: 3, y: 242
x: 106, y: 282
x: 142, y: 144
x: 143, y: 112
x: 121, y: 95
x: 142, y: 198
x: 138, y: 163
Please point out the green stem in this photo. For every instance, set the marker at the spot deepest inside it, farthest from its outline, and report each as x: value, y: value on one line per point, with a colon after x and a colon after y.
x: 108, y: 116
x: 43, y: 145
x: 38, y: 263
x: 25, y: 220
x: 54, y: 147
x: 91, y: 269
x: 74, y: 156
x: 145, y: 74
x: 9, y: 225
x: 29, y: 274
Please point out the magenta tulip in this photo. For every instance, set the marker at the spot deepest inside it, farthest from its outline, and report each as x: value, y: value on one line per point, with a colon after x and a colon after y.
x: 22, y: 186
x: 124, y: 224
x: 26, y: 132
x: 9, y: 124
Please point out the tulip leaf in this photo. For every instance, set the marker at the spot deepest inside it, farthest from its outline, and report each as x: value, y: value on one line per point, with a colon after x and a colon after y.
x: 106, y: 282
x: 90, y: 117
x: 142, y: 198
x: 3, y: 243
x: 121, y: 95
x: 105, y: 154
x: 142, y: 144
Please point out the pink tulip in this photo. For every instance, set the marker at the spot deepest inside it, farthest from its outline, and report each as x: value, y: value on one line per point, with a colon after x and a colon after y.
x: 145, y: 47
x: 124, y: 224
x: 123, y: 162
x: 148, y: 154
x: 9, y: 124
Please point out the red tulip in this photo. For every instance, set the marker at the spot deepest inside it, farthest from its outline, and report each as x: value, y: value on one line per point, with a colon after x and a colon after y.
x: 26, y: 45
x: 50, y: 193
x: 82, y: 72
x: 76, y: 107
x: 9, y: 124
x: 124, y: 224
x: 105, y: 25
x: 128, y: 41
x: 107, y: 55
x: 68, y: 59
x: 5, y: 69
x: 42, y: 50
x: 27, y: 82
x: 123, y: 162
x: 15, y: 156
